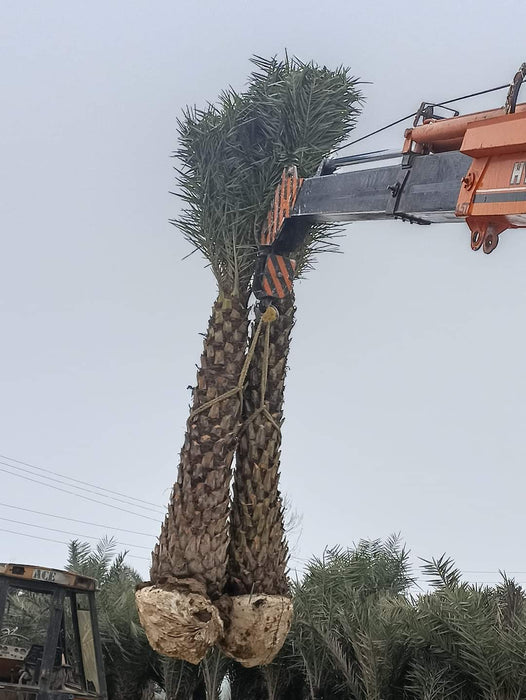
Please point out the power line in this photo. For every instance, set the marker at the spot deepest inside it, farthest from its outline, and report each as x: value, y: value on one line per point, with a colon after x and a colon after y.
x: 133, y: 556
x: 424, y: 578
x: 48, y: 539
x: 78, y: 481
x: 373, y: 133
x: 33, y: 537
x: 506, y: 571
x: 72, y: 493
x: 299, y: 559
x: 74, y: 520
x: 413, y: 114
x: 65, y: 483
x: 66, y: 532
x: 84, y: 484
x: 473, y: 94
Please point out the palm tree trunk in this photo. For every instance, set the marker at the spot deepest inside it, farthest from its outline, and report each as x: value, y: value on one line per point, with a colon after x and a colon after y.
x: 194, y: 537
x: 258, y: 551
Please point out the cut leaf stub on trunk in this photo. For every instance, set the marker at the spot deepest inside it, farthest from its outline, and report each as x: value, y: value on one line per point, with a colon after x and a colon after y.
x: 179, y: 624
x: 258, y: 551
x: 194, y: 537
x: 256, y: 628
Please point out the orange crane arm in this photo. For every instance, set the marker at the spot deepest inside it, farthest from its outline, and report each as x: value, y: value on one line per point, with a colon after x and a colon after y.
x: 469, y: 168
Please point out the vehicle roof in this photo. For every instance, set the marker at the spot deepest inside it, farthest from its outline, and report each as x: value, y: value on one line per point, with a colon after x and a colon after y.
x: 30, y: 572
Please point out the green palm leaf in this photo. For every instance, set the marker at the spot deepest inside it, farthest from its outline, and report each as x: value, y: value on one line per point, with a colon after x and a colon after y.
x: 231, y: 155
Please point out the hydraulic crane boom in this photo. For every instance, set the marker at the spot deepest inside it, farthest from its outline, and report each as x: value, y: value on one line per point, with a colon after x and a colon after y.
x: 469, y: 168
x: 421, y: 190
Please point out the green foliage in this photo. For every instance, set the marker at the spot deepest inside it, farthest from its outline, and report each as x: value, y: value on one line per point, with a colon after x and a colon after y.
x: 370, y: 568
x: 430, y: 679
x: 180, y: 679
x: 359, y: 633
x: 130, y: 662
x: 184, y: 681
x: 213, y: 669
x: 232, y: 154
x: 26, y: 618
x: 441, y: 573
x: 347, y: 620
x: 246, y: 683
x: 476, y: 632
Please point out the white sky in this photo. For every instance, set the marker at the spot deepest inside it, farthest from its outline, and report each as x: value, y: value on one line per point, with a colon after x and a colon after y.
x: 405, y: 400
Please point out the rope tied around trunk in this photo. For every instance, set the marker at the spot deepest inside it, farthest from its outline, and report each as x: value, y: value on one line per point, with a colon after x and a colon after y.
x: 267, y: 317
x: 262, y: 409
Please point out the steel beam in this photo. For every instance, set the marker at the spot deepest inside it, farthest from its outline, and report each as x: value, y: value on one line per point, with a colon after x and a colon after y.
x: 426, y: 192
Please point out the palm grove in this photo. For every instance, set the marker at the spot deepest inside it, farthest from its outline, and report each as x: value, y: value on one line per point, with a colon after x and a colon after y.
x: 362, y: 630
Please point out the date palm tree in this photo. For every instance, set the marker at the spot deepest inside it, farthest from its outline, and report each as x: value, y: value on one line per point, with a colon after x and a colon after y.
x: 301, y: 99
x: 231, y: 156
x: 350, y: 616
x: 468, y: 639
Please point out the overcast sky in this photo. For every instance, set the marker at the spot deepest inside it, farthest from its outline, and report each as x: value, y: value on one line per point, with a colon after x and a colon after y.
x: 405, y: 403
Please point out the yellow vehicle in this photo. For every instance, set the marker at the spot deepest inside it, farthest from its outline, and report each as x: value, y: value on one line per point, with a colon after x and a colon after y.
x: 50, y: 646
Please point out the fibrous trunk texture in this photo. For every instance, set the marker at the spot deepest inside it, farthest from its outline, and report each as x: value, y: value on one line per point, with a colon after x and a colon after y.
x: 194, y: 537
x: 258, y: 550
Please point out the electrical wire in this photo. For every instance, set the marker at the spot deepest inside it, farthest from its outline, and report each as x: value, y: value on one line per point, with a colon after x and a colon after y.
x: 473, y: 94
x: 413, y: 114
x: 304, y: 561
x: 495, y: 572
x: 79, y: 495
x: 64, y: 483
x: 78, y: 481
x: 35, y: 537
x: 132, y: 556
x: 74, y: 520
x: 49, y: 539
x: 66, y: 532
x: 373, y: 133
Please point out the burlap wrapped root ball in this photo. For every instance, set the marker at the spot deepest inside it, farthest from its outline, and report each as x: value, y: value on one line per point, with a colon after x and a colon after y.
x: 178, y: 623
x: 256, y: 628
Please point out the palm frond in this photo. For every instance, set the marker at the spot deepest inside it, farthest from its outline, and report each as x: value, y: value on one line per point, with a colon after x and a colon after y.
x: 231, y: 155
x: 78, y: 555
x: 246, y: 682
x: 180, y: 679
x: 213, y: 669
x: 441, y: 572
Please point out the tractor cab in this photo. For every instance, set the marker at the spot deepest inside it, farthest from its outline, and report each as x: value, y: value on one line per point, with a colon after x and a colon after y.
x: 50, y: 646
